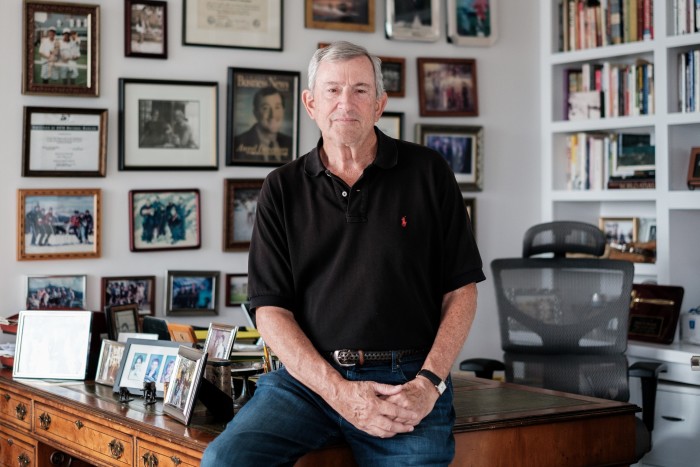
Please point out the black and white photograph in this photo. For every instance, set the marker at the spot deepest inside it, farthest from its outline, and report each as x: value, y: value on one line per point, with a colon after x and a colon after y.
x: 145, y: 28
x: 462, y: 148
x: 122, y: 319
x: 192, y: 293
x: 394, y: 76
x: 240, y: 207
x: 55, y: 292
x: 413, y: 20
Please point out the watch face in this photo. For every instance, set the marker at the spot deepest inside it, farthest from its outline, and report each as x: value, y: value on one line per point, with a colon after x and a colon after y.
x: 441, y: 387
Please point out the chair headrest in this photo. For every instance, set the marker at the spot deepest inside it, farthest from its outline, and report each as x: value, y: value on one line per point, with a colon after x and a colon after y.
x: 562, y: 237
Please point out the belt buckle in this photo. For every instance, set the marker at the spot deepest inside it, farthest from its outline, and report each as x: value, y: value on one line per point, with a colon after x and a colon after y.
x: 340, y: 357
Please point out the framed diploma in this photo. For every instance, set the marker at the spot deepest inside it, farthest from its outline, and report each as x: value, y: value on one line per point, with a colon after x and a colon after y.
x: 64, y: 142
x: 233, y: 23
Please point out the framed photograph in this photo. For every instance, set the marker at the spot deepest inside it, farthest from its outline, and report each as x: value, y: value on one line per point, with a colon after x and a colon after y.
x: 122, y: 318
x: 262, y: 117
x: 244, y: 25
x: 168, y: 125
x: 180, y: 332
x: 462, y: 148
x: 413, y: 20
x: 236, y: 289
x: 391, y: 124
x: 64, y: 142
x: 619, y: 230
x: 179, y: 401
x: 646, y: 229
x: 52, y: 344
x: 394, y: 76
x: 55, y: 292
x: 447, y: 87
x: 470, y: 204
x: 219, y: 341
x: 694, y: 169
x: 240, y: 206
x: 636, y: 153
x: 127, y: 290
x: 471, y: 22
x: 164, y: 219
x: 58, y: 223
x: 61, y: 51
x: 108, y: 363
x: 146, y: 360
x: 192, y: 293
x: 342, y: 15
x: 146, y: 28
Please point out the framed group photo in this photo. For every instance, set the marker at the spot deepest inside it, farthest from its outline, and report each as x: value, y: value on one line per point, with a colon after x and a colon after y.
x: 146, y: 360
x: 127, y: 290
x: 168, y: 125
x: 240, y: 207
x: 462, y: 148
x: 262, y: 117
x: 58, y: 224
x: 619, y: 230
x: 342, y: 15
x: 55, y: 292
x: 471, y: 22
x: 181, y: 396
x: 236, y: 289
x: 413, y: 20
x: 164, y: 219
x: 61, y: 49
x: 447, y: 87
x: 64, y: 142
x: 192, y: 293
x: 146, y: 28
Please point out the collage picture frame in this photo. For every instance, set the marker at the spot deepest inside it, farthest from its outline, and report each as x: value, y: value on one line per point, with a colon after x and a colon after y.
x: 146, y: 360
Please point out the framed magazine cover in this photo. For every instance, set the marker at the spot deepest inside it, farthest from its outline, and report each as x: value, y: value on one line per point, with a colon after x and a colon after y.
x: 462, y: 148
x: 472, y: 22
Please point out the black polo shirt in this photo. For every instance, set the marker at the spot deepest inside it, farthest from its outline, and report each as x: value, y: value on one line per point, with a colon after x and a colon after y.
x: 363, y: 267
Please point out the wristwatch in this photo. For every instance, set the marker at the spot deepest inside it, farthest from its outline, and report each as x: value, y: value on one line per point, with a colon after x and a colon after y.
x: 433, y: 378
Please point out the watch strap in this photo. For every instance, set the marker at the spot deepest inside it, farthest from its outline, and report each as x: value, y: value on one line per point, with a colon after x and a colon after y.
x: 438, y: 382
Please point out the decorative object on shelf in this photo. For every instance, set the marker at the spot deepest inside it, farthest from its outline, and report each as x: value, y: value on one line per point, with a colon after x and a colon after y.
x: 61, y: 49
x: 149, y: 392
x: 64, y: 142
x: 694, y: 169
x: 472, y: 22
x: 623, y: 239
x: 164, y: 219
x: 180, y: 399
x: 262, y: 117
x: 619, y: 230
x: 470, y: 204
x: 447, y: 87
x: 192, y: 293
x: 413, y: 20
x: 357, y: 16
x: 55, y: 292
x: 122, y: 318
x: 218, y: 23
x: 111, y: 354
x: 236, y: 289
x: 219, y: 343
x: 240, y: 206
x: 168, y: 125
x: 125, y: 396
x: 391, y: 124
x: 394, y: 76
x: 123, y: 290
x: 146, y: 28
x: 462, y: 148
x: 654, y: 312
x: 62, y: 223
x: 146, y: 360
x: 689, y: 331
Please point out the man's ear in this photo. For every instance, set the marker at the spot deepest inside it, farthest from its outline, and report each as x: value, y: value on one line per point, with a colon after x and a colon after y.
x: 380, y: 106
x: 307, y: 98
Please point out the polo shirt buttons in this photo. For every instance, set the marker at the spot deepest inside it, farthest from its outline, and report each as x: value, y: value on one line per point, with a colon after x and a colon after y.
x: 344, y: 193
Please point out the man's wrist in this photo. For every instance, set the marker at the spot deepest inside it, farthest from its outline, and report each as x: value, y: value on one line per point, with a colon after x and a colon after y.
x: 434, y: 379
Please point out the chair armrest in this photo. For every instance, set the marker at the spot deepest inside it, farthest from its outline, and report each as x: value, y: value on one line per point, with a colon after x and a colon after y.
x: 482, y: 367
x: 648, y: 373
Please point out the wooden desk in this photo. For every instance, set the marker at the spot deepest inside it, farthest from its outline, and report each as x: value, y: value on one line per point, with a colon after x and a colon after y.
x: 497, y: 424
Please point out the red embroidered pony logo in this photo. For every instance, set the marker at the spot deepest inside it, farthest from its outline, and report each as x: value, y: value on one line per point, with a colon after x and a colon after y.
x: 404, y: 222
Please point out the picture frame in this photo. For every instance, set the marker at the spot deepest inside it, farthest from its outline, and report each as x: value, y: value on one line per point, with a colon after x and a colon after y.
x: 413, y: 20
x: 240, y: 207
x: 236, y: 289
x: 108, y: 362
x: 257, y: 26
x: 694, y: 169
x: 52, y: 344
x: 471, y: 23
x: 146, y: 360
x: 470, y: 204
x: 61, y: 223
x: 179, y: 401
x: 452, y: 77
x: 168, y: 124
x: 262, y: 117
x: 124, y: 290
x: 64, y: 142
x: 122, y: 318
x: 55, y: 292
x: 146, y: 28
x: 462, y: 147
x: 158, y: 326
x: 192, y: 293
x: 219, y: 343
x: 394, y: 76
x: 391, y: 124
x: 65, y: 65
x: 353, y: 15
x: 180, y: 332
x: 619, y: 230
x: 164, y: 219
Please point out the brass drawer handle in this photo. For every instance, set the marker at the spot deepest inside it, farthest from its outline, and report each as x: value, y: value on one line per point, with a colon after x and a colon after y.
x: 10, y: 441
x: 21, y: 411
x: 116, y: 448
x: 23, y: 460
x: 79, y: 424
x: 45, y: 420
x: 6, y: 396
x: 150, y: 460
x: 176, y: 460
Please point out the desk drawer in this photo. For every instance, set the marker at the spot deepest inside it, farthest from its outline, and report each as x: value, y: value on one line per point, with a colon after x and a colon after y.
x: 16, y: 452
x: 15, y: 409
x: 152, y: 455
x: 77, y: 433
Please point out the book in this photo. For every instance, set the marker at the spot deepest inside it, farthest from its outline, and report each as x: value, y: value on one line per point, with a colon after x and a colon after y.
x: 584, y: 105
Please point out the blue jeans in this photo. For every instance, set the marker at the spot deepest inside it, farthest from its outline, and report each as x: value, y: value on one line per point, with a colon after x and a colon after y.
x: 285, y: 420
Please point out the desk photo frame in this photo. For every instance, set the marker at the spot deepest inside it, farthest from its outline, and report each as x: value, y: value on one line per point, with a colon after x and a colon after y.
x: 109, y: 361
x: 146, y: 360
x: 220, y: 340
x: 180, y: 399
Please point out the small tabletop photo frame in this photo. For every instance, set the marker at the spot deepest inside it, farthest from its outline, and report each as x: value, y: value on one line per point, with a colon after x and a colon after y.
x: 146, y: 360
x: 180, y: 399
x: 108, y: 363
x: 220, y: 340
x: 122, y: 318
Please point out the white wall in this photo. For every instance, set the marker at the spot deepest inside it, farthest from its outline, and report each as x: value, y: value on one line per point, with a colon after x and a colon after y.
x: 508, y: 107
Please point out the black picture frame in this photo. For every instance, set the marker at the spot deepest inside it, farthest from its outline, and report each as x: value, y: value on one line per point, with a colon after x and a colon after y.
x: 123, y: 290
x: 122, y: 318
x: 694, y: 169
x: 146, y: 28
x: 391, y: 124
x: 240, y: 208
x: 394, y: 76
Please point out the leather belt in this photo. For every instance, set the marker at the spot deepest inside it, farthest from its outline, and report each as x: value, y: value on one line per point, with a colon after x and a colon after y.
x: 346, y: 357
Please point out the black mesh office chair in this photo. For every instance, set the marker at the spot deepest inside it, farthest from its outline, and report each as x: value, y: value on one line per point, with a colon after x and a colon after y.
x: 563, y: 319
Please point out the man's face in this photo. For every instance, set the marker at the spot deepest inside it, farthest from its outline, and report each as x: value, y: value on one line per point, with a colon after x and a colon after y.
x: 270, y: 113
x: 344, y: 103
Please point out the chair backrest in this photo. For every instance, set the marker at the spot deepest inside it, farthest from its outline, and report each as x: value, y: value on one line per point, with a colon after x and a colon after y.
x: 562, y: 237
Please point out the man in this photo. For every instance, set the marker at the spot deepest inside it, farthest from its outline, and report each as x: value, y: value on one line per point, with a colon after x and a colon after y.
x: 183, y: 131
x: 362, y: 244
x: 263, y: 142
x: 48, y: 51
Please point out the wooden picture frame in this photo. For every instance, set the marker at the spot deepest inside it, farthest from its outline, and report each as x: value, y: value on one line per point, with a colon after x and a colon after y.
x: 394, y: 76
x: 462, y: 147
x: 124, y: 290
x: 262, y: 102
x: 447, y: 87
x: 240, y: 207
x: 179, y: 400
x: 180, y: 332
x: 110, y: 358
x: 413, y: 21
x: 472, y: 24
x: 694, y: 169
x: 168, y: 125
x: 219, y: 343
x: 139, y: 361
x: 146, y: 28
x: 258, y: 25
x: 391, y: 124
x: 164, y: 219
x: 64, y: 142
x: 55, y: 69
x: 122, y: 318
x: 353, y: 15
x: 192, y: 293
x: 55, y: 292
x: 62, y: 223
x: 619, y: 230
x: 470, y: 204
x: 236, y: 289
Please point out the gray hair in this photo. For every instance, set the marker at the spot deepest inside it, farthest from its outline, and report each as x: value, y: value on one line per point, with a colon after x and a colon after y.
x: 340, y: 51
